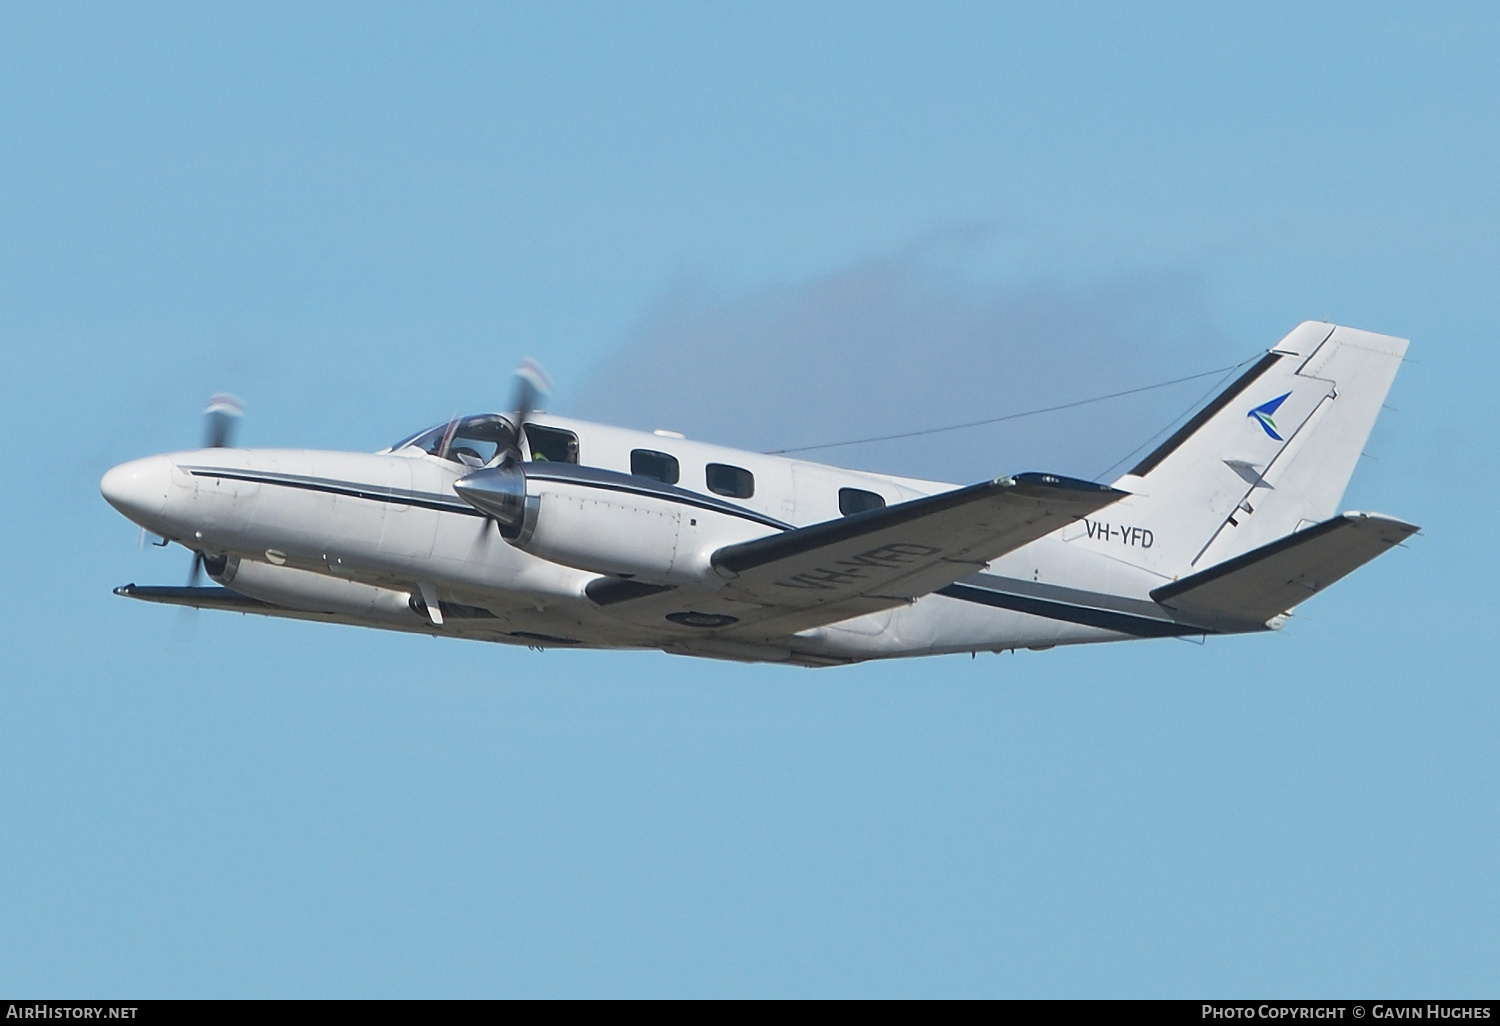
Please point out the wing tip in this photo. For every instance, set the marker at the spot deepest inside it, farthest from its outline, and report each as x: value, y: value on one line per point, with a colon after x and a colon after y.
x: 1381, y: 519
x: 198, y: 596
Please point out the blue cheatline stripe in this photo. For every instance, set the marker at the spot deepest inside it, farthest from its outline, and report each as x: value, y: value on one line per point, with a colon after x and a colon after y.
x: 1123, y: 623
x: 428, y: 501
x: 310, y: 484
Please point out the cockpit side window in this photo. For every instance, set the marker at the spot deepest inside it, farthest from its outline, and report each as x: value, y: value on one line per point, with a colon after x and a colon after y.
x: 471, y: 441
x: 551, y: 445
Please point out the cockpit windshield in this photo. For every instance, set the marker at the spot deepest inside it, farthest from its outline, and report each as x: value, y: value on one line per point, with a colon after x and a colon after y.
x: 472, y: 441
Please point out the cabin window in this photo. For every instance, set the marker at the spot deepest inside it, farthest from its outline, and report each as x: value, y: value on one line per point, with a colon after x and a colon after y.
x: 551, y: 445
x: 855, y: 500
x: 656, y: 465
x: 735, y: 482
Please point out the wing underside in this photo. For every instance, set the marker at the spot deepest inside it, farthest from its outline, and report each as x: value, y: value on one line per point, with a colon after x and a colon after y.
x: 225, y: 600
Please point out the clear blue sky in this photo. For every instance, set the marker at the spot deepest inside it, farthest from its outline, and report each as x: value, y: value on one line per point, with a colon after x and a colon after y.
x: 360, y: 218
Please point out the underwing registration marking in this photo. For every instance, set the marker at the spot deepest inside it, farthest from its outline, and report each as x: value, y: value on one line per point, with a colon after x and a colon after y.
x: 856, y: 568
x: 1124, y: 534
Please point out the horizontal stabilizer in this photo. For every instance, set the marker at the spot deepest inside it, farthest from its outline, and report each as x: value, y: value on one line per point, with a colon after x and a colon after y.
x: 1268, y: 581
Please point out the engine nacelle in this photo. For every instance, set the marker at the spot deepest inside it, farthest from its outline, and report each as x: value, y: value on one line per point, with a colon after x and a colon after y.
x: 610, y: 523
x: 314, y: 593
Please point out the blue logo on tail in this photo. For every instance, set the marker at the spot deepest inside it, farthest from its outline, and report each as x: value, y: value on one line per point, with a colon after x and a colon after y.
x: 1262, y: 415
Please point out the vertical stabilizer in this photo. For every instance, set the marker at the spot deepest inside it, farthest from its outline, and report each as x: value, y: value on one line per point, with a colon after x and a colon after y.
x: 1269, y: 455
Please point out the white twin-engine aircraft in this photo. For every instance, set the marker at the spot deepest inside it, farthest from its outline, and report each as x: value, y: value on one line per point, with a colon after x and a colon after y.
x: 543, y: 531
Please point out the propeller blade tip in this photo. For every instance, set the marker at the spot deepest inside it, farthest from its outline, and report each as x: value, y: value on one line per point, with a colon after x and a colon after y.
x: 531, y: 372
x: 225, y: 404
x: 220, y: 415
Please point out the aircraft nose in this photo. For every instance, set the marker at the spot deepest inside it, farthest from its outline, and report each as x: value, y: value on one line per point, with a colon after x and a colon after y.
x: 139, y: 488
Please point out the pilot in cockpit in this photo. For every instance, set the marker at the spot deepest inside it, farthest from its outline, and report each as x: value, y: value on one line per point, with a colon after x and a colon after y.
x: 569, y: 452
x: 551, y: 445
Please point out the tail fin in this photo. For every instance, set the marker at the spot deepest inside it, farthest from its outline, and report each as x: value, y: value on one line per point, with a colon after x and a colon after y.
x: 1271, y: 454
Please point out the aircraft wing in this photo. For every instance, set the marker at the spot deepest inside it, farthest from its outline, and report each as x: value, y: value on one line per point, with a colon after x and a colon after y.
x: 907, y: 550
x: 1268, y: 581
x: 827, y: 572
x: 196, y: 597
x: 213, y: 597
